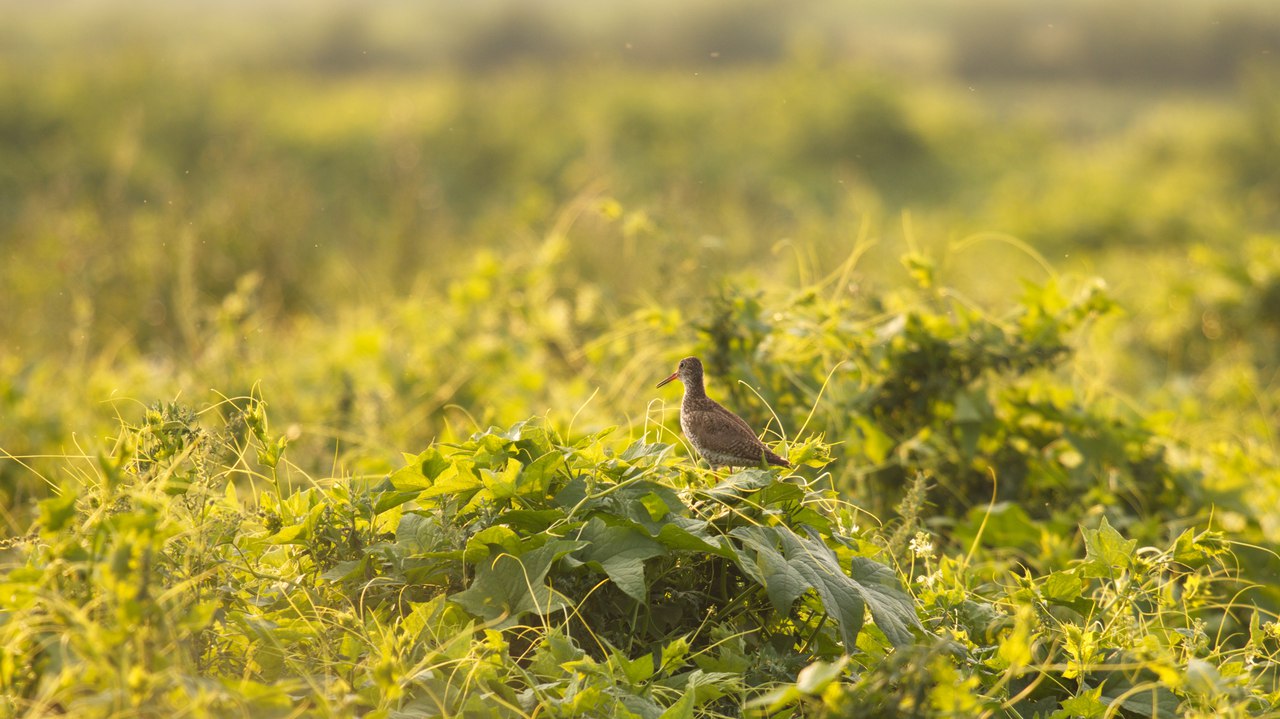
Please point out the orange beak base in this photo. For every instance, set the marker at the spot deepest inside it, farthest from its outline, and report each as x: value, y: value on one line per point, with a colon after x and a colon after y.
x: 673, y: 376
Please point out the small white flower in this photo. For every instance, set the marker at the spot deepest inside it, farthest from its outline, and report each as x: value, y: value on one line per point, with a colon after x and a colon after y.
x: 928, y: 580
x: 846, y: 526
x: 922, y: 545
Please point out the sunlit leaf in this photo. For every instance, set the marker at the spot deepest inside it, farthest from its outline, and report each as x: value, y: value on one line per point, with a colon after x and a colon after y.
x: 1107, y: 552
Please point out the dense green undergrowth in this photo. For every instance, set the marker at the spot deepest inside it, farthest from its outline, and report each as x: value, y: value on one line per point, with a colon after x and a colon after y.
x: 972, y: 530
x: 519, y: 574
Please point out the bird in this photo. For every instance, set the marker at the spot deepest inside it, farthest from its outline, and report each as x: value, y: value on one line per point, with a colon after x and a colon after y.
x: 720, y: 436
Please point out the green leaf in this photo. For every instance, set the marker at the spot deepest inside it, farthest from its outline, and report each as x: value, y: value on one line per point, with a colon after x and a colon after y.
x: 782, y: 582
x: 636, y: 671
x: 456, y: 481
x: 683, y: 708
x: 531, y: 521
x: 620, y: 552
x: 876, y: 445
x: 1086, y: 705
x: 788, y: 565
x: 292, y: 534
x: 419, y: 471
x: 509, y: 587
x: 1195, y: 550
x: 535, y: 479
x: 1106, y: 551
x: 816, y: 677
x: 484, y: 543
x: 971, y: 406
x: 418, y: 533
x: 350, y: 569
x: 502, y: 484
x: 56, y: 511
x: 643, y: 450
x: 1007, y: 526
x: 385, y: 496
x: 691, y: 535
x: 1062, y: 587
x: 892, y: 608
x: 780, y: 492
x: 740, y: 484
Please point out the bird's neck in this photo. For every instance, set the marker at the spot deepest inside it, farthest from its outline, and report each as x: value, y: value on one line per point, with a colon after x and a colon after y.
x: 694, y: 390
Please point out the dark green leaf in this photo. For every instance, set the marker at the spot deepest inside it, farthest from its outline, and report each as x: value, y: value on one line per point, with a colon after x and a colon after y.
x: 620, y: 552
x: 508, y: 587
x: 787, y: 565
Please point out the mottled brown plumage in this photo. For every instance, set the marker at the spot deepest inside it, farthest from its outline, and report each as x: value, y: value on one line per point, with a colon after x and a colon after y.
x: 720, y: 436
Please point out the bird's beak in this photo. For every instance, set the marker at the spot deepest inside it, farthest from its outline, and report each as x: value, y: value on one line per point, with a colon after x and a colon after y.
x: 673, y: 376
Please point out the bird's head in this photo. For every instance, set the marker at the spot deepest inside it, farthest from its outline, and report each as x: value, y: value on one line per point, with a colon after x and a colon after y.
x: 689, y: 372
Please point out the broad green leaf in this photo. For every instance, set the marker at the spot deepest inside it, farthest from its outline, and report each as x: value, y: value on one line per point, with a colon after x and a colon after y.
x: 531, y: 521
x: 386, y: 496
x: 787, y: 565
x: 418, y: 533
x: 691, y: 535
x: 1106, y: 551
x: 351, y: 569
x: 491, y: 450
x: 535, y: 480
x: 892, y: 608
x: 1062, y: 587
x: 674, y: 653
x: 640, y: 449
x: 293, y: 534
x: 971, y: 406
x: 1194, y: 549
x: 482, y: 544
x: 683, y: 708
x: 1085, y: 705
x: 454, y: 481
x: 779, y: 492
x: 620, y: 552
x: 782, y: 582
x: 1204, y: 678
x: 508, y: 587
x: 740, y: 484
x: 705, y: 686
x: 419, y: 471
x: 502, y: 484
x: 1154, y: 702
x: 572, y: 495
x: 655, y: 506
x: 536, y: 438
x: 636, y: 671
x: 1015, y: 649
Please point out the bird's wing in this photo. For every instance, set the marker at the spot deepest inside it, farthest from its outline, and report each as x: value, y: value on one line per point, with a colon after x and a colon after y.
x: 731, y: 418
x: 728, y: 430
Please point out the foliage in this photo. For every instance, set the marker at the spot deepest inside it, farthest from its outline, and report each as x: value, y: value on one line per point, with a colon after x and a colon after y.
x: 1021, y: 490
x: 515, y: 574
x: 511, y: 568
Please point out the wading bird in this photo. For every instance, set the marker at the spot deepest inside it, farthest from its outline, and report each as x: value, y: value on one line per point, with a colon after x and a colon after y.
x: 720, y: 436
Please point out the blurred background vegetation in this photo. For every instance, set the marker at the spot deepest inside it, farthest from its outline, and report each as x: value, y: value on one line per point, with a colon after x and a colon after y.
x: 403, y: 221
